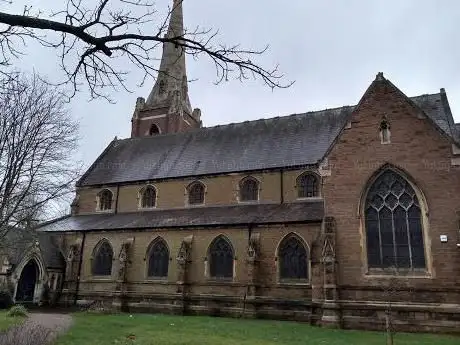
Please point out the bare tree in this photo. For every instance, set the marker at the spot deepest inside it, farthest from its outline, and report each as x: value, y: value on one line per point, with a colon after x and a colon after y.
x: 93, y: 38
x: 37, y: 141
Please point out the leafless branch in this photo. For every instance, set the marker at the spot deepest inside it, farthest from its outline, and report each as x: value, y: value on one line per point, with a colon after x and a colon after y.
x: 93, y: 40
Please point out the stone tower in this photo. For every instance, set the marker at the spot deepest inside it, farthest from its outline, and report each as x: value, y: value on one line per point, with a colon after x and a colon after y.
x: 167, y: 109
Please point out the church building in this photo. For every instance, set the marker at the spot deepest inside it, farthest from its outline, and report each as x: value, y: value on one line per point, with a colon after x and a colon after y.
x: 326, y: 217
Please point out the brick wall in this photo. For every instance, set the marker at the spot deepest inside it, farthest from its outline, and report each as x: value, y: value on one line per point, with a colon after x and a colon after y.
x: 421, y: 152
x: 167, y: 123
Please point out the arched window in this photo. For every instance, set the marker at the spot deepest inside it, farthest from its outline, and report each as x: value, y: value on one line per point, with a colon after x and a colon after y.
x: 102, y: 259
x: 293, y: 258
x: 154, y: 129
x: 158, y: 259
x: 249, y: 189
x: 148, y: 197
x: 196, y: 193
x: 105, y: 200
x: 220, y: 258
x: 307, y: 186
x: 393, y: 224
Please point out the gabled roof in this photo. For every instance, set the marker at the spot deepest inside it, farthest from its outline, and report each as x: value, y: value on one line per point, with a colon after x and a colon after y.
x: 299, y: 212
x: 17, y: 242
x: 293, y: 140
x: 437, y: 108
x: 289, y: 141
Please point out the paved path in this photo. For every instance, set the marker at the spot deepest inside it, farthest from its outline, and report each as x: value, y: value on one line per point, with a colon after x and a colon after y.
x: 55, y: 323
x: 39, y: 329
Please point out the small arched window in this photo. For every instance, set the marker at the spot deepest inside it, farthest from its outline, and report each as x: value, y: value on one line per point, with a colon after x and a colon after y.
x: 249, y: 189
x: 293, y: 258
x: 154, y: 129
x: 158, y: 259
x: 220, y: 258
x: 148, y: 197
x: 196, y: 193
x: 307, y: 186
x: 105, y: 200
x: 393, y: 224
x: 102, y: 259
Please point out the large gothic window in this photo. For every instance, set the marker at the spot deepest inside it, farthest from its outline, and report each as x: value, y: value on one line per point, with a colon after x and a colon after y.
x: 158, y: 259
x: 293, y: 259
x: 105, y: 200
x: 307, y: 186
x: 196, y: 193
x: 148, y: 197
x: 393, y: 224
x: 249, y: 189
x: 102, y: 259
x: 220, y: 258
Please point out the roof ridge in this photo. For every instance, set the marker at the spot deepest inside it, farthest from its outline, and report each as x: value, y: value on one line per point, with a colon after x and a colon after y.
x: 52, y: 221
x: 255, y: 120
x: 426, y: 94
x: 195, y: 130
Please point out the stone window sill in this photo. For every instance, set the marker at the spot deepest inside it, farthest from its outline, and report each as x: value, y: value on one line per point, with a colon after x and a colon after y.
x: 104, y: 211
x: 401, y: 273
x: 220, y: 281
x: 159, y: 280
x: 294, y: 282
x: 196, y: 205
x: 147, y: 208
x: 313, y: 198
x: 101, y: 278
x: 248, y: 202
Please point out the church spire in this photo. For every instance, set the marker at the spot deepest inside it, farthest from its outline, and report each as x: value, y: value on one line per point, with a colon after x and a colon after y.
x: 168, y: 109
x: 172, y: 76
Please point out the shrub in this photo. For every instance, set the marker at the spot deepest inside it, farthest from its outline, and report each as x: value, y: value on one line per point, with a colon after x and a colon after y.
x: 17, y: 310
x: 6, y: 301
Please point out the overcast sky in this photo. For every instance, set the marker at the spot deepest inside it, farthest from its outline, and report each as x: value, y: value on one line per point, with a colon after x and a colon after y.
x: 332, y: 49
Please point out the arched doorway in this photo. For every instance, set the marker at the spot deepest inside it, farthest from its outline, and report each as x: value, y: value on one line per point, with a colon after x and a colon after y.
x: 27, y: 282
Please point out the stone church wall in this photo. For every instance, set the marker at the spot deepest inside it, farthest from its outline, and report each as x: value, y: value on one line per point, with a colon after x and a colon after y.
x: 341, y: 291
x: 203, y: 294
x: 220, y: 190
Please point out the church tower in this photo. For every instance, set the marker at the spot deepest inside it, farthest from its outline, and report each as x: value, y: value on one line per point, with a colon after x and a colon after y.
x: 167, y: 109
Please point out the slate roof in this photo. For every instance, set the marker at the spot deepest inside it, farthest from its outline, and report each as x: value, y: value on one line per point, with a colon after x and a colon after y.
x: 18, y: 241
x: 295, y: 140
x: 252, y: 145
x: 51, y: 254
x: 437, y: 108
x: 312, y: 211
x: 457, y: 127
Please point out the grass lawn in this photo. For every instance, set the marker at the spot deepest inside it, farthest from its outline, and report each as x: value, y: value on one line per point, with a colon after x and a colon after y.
x: 169, y: 330
x: 6, y: 321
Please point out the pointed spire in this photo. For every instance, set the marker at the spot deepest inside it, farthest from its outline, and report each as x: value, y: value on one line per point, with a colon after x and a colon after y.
x: 171, y: 85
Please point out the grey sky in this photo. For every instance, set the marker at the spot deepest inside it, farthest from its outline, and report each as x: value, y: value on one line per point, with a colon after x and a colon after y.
x: 332, y: 49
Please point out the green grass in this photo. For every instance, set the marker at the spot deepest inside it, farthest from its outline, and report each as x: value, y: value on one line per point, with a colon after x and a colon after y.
x: 91, y: 329
x: 7, y: 321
